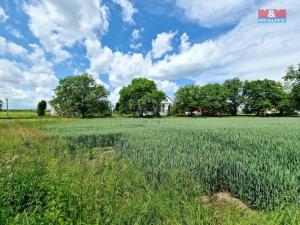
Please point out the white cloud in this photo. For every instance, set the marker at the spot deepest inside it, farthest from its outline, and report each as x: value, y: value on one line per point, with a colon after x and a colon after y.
x: 188, y: 63
x: 114, y: 95
x: 185, y: 44
x: 9, y: 72
x: 16, y: 33
x: 28, y: 79
x: 62, y: 23
x: 7, y: 47
x: 135, y: 46
x: 256, y: 51
x: 128, y: 10
x: 136, y: 35
x: 3, y: 16
x: 162, y: 44
x: 167, y: 86
x: 217, y: 12
x: 250, y: 51
x: 100, y: 57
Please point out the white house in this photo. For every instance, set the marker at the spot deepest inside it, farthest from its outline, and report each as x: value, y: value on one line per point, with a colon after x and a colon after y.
x: 53, y: 111
x: 166, y: 107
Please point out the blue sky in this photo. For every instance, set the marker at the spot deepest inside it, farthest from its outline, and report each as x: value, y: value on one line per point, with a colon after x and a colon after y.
x: 174, y: 42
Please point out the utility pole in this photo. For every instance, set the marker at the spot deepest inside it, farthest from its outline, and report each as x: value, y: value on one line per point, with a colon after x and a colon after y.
x: 7, y: 107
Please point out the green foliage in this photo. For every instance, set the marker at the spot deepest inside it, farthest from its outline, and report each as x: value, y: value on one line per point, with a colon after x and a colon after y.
x: 213, y: 98
x: 140, y: 97
x: 261, y: 95
x: 286, y: 106
x: 187, y: 99
x: 293, y: 81
x: 1, y: 104
x: 234, y: 95
x: 81, y: 96
x: 41, y: 108
x: 296, y: 96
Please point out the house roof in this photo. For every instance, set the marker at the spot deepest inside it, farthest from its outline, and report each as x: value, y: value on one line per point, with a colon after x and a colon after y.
x: 168, y: 100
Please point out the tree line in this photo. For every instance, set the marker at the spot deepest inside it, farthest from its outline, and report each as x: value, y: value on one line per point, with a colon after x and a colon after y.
x: 83, y: 96
x: 253, y: 97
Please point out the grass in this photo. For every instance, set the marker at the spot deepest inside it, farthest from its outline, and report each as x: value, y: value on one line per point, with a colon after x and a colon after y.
x: 20, y: 114
x: 46, y: 179
x: 255, y: 159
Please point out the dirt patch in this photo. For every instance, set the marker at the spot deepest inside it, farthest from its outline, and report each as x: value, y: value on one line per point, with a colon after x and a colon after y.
x: 102, y: 153
x: 225, y: 200
x: 108, y: 152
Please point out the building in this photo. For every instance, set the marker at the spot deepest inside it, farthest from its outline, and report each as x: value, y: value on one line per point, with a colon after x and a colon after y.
x: 166, y: 107
x: 53, y: 111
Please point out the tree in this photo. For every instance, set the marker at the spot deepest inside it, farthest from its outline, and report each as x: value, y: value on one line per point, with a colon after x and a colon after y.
x: 41, y: 107
x: 141, y: 96
x: 286, y: 106
x: 261, y: 95
x: 81, y: 96
x: 1, y: 104
x: 292, y: 79
x: 213, y: 99
x: 187, y: 99
x: 234, y: 94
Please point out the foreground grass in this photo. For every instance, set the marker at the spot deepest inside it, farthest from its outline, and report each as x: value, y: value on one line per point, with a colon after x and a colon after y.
x: 255, y: 159
x: 43, y: 181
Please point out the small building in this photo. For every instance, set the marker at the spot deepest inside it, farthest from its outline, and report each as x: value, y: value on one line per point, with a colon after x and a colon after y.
x: 53, y: 112
x: 166, y: 107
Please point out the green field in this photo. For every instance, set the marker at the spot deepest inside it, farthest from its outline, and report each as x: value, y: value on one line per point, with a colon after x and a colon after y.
x: 149, y: 171
x: 20, y: 114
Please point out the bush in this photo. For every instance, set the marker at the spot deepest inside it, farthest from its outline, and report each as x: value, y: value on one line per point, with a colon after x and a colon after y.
x: 41, y: 108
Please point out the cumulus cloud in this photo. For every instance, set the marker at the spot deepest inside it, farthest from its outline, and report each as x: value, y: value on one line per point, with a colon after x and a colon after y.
x: 128, y: 10
x: 256, y: 51
x: 249, y: 51
x: 28, y: 78
x: 3, y: 16
x: 167, y: 86
x: 10, y: 48
x: 62, y: 23
x: 162, y: 44
x: 217, y: 12
x: 115, y: 95
x: 188, y: 63
x: 9, y: 72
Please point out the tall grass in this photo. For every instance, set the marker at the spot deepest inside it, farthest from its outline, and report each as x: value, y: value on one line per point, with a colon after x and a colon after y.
x: 48, y: 179
x: 255, y: 159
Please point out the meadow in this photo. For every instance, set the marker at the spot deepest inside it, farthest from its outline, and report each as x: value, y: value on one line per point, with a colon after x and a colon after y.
x: 20, y: 114
x: 149, y: 171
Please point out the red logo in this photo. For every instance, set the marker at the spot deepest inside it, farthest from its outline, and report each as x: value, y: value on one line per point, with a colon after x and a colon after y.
x: 272, y: 15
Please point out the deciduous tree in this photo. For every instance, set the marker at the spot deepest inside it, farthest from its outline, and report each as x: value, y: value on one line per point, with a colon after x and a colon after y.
x: 187, y: 99
x: 141, y: 96
x: 292, y: 78
x: 213, y: 99
x: 261, y: 95
x: 234, y: 94
x: 81, y: 96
